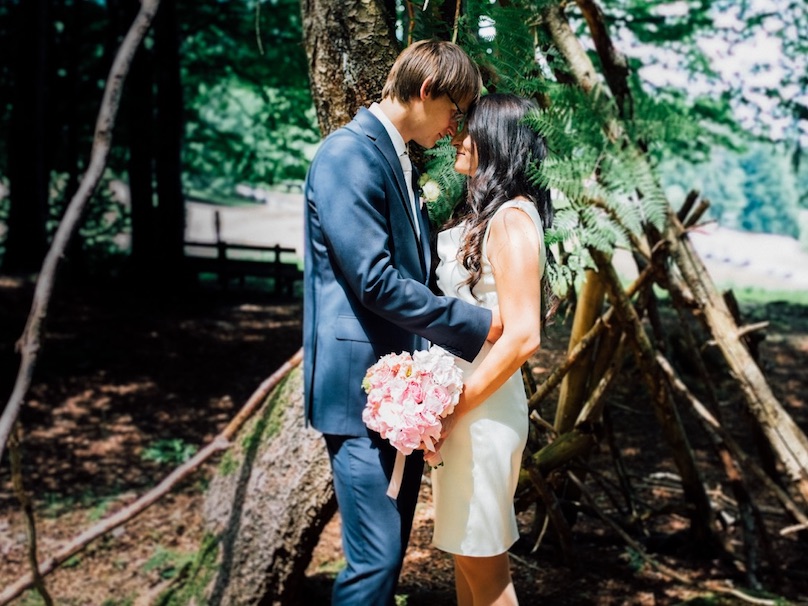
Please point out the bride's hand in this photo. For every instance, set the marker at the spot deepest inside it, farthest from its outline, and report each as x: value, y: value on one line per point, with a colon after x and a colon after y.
x: 447, y: 425
x: 433, y: 458
x: 495, y: 331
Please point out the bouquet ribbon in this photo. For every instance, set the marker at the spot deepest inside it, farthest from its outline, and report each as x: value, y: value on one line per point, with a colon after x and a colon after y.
x: 398, y: 475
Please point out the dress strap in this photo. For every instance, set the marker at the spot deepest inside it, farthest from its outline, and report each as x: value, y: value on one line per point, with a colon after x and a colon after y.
x: 530, y: 210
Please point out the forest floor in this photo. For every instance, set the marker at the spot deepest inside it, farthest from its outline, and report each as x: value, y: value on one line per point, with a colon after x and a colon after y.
x: 128, y: 382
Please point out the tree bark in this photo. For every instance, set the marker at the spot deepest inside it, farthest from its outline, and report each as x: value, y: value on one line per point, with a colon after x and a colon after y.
x: 350, y: 50
x: 268, y: 504
x: 140, y: 120
x: 567, y: 43
x: 614, y: 63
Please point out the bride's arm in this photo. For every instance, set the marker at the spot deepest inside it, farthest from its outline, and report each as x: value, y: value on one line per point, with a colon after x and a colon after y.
x: 514, y: 252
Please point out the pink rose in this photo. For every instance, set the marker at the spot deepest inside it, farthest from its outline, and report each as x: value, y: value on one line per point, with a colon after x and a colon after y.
x: 408, y: 396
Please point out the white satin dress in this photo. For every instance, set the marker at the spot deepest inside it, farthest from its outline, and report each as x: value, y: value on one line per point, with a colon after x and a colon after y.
x: 473, y: 491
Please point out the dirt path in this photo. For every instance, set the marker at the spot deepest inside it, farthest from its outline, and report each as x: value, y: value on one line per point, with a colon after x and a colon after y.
x: 125, y: 378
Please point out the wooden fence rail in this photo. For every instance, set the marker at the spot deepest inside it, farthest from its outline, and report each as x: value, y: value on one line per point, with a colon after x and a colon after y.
x: 230, y: 261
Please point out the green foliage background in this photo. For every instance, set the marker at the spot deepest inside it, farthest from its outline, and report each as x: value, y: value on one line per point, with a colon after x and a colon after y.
x: 249, y: 117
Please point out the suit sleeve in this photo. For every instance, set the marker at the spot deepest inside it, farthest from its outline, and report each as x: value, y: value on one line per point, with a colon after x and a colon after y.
x: 347, y: 183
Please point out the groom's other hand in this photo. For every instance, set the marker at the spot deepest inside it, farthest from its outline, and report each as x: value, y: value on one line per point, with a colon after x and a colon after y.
x: 495, y: 332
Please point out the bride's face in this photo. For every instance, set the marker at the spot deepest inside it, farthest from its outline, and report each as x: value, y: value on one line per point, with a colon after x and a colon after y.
x: 466, y: 159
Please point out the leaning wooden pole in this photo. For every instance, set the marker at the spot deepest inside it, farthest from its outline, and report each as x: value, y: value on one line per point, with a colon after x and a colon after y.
x: 786, y: 438
x: 661, y: 398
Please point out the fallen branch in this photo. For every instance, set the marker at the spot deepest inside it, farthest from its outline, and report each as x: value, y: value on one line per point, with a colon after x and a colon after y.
x: 669, y: 572
x: 751, y: 518
x: 219, y: 443
x: 30, y: 521
x: 711, y: 424
x: 555, y: 515
x: 793, y: 528
x: 742, y: 332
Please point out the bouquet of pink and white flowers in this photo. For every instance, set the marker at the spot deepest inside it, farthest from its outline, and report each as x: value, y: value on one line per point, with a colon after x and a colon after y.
x: 408, y: 395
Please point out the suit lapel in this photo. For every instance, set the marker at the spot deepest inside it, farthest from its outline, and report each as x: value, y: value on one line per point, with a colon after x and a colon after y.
x: 376, y: 132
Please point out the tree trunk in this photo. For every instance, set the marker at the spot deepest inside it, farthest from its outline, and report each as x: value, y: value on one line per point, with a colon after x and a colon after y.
x: 28, y: 157
x: 69, y: 97
x: 170, y: 211
x: 140, y: 119
x: 267, y: 505
x: 614, y: 63
x: 350, y: 50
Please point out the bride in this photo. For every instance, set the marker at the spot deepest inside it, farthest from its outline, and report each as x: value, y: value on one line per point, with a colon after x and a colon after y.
x: 491, y: 254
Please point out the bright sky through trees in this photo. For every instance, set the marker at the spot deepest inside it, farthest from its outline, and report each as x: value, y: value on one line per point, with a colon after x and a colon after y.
x: 744, y: 55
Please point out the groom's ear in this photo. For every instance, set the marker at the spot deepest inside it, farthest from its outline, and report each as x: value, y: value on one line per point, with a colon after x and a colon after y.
x: 426, y: 89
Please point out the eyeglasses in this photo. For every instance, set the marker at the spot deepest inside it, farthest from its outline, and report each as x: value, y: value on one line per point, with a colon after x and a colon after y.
x: 459, y: 116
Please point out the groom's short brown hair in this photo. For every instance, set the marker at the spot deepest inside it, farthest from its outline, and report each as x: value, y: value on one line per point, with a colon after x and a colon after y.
x: 449, y: 69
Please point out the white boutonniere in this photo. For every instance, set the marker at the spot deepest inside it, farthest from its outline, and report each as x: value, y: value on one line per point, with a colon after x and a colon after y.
x: 430, y: 189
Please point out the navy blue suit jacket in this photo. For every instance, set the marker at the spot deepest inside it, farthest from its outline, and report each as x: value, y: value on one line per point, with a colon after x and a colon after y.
x: 365, y: 275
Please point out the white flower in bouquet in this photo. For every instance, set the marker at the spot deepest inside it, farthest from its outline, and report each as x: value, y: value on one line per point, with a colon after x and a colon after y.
x: 408, y: 395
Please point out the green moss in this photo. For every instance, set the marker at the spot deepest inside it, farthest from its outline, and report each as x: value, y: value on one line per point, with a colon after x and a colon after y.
x: 168, y: 563
x: 194, y: 581
x: 264, y: 426
x: 228, y: 464
x: 269, y: 423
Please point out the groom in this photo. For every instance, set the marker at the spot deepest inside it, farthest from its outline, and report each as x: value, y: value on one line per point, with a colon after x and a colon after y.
x: 367, y: 261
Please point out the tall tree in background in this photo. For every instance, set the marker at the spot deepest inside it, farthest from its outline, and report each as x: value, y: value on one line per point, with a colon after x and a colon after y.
x: 139, y: 101
x: 167, y: 151
x: 29, y: 156
x: 155, y: 134
x: 339, y: 38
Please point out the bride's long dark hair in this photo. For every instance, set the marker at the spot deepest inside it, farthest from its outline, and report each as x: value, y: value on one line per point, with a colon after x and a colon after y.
x: 506, y: 149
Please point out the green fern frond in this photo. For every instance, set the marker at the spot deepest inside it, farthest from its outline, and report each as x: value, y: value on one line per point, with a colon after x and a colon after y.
x: 439, y: 167
x: 605, y: 188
